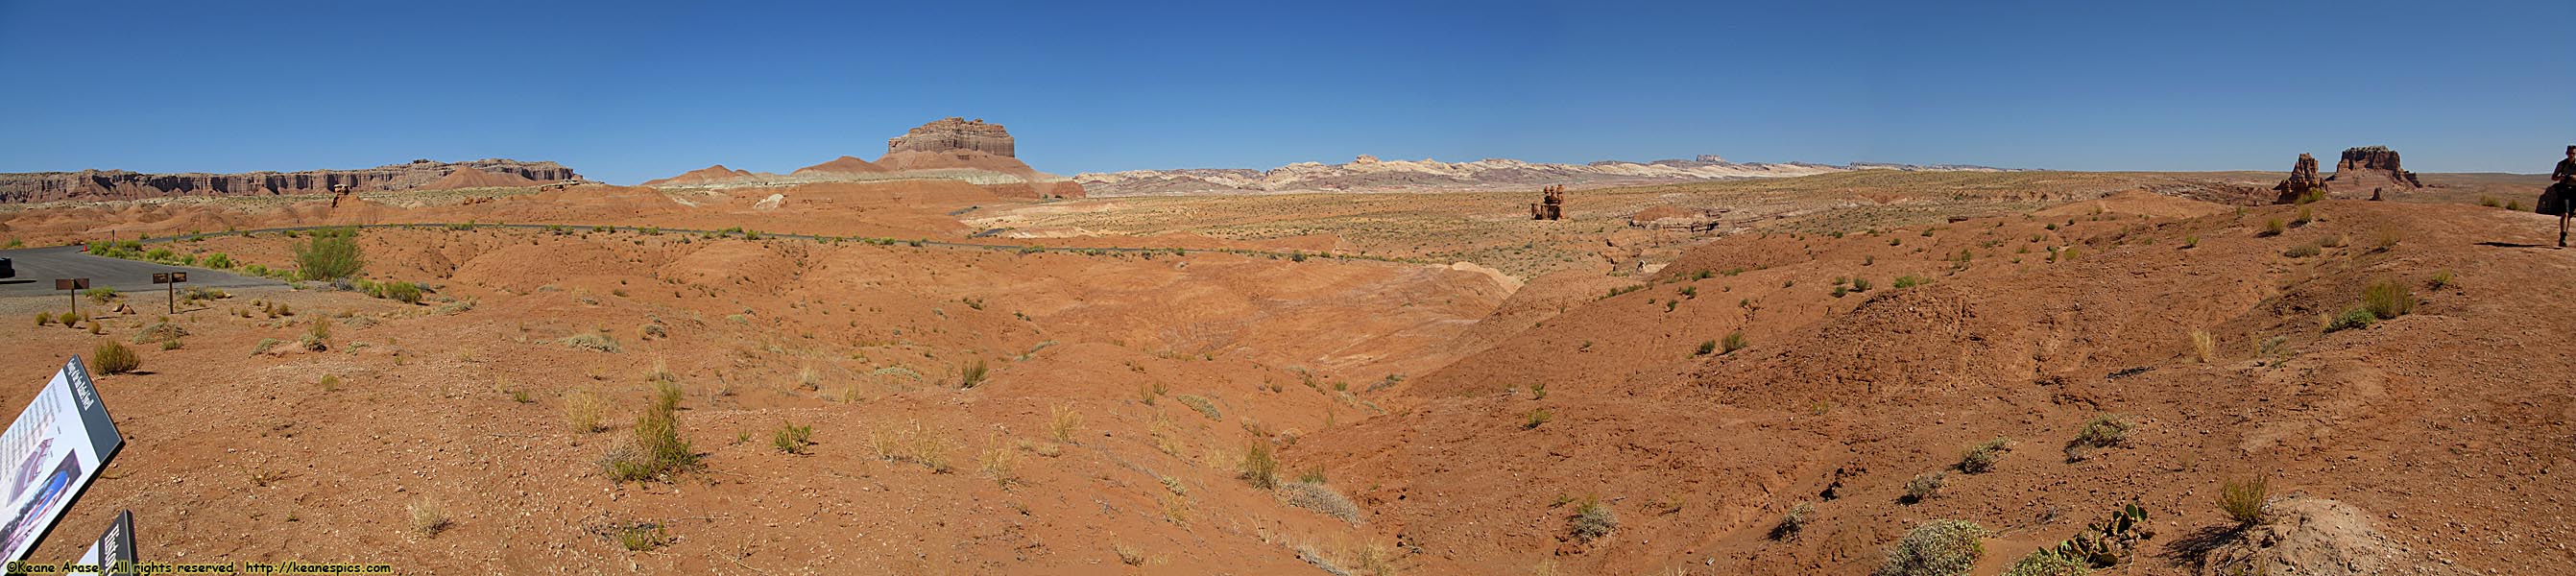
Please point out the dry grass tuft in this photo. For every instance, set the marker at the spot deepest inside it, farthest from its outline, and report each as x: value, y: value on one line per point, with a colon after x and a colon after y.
x: 2204, y: 346
x: 429, y: 517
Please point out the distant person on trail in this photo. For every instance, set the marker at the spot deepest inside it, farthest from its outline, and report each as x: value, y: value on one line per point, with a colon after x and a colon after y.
x: 2560, y: 200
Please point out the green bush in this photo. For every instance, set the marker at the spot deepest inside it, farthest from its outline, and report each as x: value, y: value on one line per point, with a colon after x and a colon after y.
x: 2387, y: 299
x: 1705, y: 348
x: 1981, y: 458
x: 1734, y: 341
x: 2243, y: 501
x: 328, y: 255
x: 791, y: 438
x: 657, y: 451
x: 1259, y: 467
x: 2351, y: 319
x: 113, y: 358
x: 1938, y: 548
x: 1903, y: 282
x: 218, y: 261
x: 1794, y: 521
x: 2048, y: 563
x: 1592, y: 520
x: 1202, y: 405
x: 1925, y: 485
x: 2102, y: 431
x: 2272, y: 227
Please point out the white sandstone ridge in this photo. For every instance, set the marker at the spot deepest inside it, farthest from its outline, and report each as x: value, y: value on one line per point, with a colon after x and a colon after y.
x: 1369, y: 174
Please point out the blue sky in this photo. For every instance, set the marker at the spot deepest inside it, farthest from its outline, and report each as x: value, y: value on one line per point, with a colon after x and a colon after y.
x: 628, y: 91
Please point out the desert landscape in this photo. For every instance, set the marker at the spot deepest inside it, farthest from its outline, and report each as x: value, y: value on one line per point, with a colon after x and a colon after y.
x: 925, y: 369
x: 1335, y: 289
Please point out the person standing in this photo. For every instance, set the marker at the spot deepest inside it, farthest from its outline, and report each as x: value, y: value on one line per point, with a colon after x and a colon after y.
x: 2562, y: 189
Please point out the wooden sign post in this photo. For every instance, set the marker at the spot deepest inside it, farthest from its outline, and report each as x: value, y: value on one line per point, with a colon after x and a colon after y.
x: 74, y: 286
x: 172, y: 280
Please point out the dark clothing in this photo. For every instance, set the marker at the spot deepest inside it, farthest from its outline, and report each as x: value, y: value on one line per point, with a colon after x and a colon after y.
x: 2560, y: 199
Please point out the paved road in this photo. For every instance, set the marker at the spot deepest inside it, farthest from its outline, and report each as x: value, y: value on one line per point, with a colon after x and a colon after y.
x: 38, y: 267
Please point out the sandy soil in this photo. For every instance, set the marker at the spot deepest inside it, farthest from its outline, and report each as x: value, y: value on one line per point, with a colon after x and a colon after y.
x: 1125, y: 390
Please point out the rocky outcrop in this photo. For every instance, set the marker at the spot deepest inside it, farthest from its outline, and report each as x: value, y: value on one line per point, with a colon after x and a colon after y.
x: 128, y: 185
x: 1371, y: 174
x: 2316, y: 536
x: 716, y: 173
x: 1679, y: 219
x: 2303, y: 180
x: 970, y: 151
x: 953, y: 133
x: 2368, y: 170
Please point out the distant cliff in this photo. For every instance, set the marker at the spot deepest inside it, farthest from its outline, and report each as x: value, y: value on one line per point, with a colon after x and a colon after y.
x: 1369, y: 174
x: 129, y: 185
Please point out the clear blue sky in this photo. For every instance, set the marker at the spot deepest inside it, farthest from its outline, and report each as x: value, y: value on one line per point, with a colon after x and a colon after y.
x: 628, y: 91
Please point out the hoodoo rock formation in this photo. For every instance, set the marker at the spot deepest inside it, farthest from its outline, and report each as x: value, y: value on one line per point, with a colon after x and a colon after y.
x: 128, y: 185
x: 2368, y: 170
x: 953, y: 133
x: 2303, y: 180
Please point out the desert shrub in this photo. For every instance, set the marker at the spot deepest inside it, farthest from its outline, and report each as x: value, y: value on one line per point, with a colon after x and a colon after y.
x: 1981, y: 458
x: 2490, y: 202
x: 1536, y: 417
x: 1202, y: 405
x: 1001, y: 464
x: 113, y: 358
x: 328, y: 383
x: 2048, y: 563
x: 582, y: 411
x: 791, y: 438
x: 1063, y: 423
x: 2350, y: 319
x: 1734, y: 341
x: 318, y: 338
x: 2272, y: 227
x: 100, y: 294
x: 2243, y: 500
x: 1909, y: 281
x: 2515, y: 205
x: 160, y: 332
x: 2102, y: 431
x: 1592, y: 519
x: 593, y: 340
x: 2441, y: 279
x: 218, y: 261
x: 2387, y: 299
x: 1937, y: 548
x: 657, y: 450
x: 44, y: 318
x: 1258, y: 466
x: 919, y: 446
x: 2204, y: 346
x: 328, y: 255
x: 2191, y: 241
x: 2302, y: 251
x: 639, y: 536
x: 971, y: 374
x: 1860, y: 285
x: 1320, y: 498
x: 1925, y: 485
x: 1794, y: 521
x: 428, y: 516
x: 404, y: 292
x: 1705, y: 348
x: 264, y: 345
